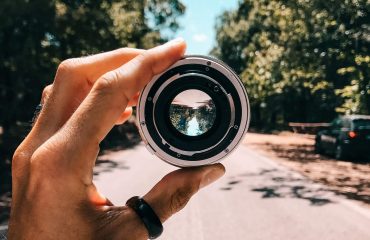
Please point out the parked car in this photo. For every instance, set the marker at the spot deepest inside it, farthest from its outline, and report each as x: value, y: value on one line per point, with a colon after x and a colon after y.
x: 347, y: 136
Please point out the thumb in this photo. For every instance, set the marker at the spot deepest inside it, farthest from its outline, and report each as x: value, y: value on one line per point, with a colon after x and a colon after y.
x: 173, y: 192
x: 167, y: 197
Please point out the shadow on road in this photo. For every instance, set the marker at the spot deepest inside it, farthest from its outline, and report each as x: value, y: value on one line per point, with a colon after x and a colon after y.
x: 349, y: 178
x: 303, y: 153
x: 274, y: 183
x: 306, y: 153
x: 105, y: 166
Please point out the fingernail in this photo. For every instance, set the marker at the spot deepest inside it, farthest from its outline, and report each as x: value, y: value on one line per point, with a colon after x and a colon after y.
x: 176, y: 41
x: 210, y: 176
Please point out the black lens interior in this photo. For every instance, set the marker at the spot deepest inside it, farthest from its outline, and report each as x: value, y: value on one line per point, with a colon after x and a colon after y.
x: 182, y: 141
x: 162, y: 129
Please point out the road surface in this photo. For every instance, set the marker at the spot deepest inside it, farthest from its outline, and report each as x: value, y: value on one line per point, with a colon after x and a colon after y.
x: 256, y: 199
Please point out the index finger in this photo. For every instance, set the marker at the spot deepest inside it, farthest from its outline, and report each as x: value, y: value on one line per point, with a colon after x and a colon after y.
x: 110, y: 95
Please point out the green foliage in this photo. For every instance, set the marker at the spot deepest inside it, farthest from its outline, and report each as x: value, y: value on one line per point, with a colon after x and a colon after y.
x: 300, y: 60
x: 35, y: 36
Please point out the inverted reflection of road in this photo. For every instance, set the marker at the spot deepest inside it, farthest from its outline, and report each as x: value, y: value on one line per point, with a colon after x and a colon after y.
x: 256, y: 199
x: 193, y: 128
x: 192, y: 112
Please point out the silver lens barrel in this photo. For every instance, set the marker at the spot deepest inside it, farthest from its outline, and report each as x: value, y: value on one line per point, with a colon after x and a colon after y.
x: 195, y: 113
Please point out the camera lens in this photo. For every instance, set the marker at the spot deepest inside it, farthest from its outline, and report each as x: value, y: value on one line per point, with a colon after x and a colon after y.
x: 192, y: 112
x: 195, y: 113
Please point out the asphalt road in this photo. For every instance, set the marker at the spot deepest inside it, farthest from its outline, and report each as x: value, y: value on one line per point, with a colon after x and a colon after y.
x: 256, y: 199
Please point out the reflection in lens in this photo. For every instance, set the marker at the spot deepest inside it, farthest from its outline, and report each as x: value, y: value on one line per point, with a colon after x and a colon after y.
x: 192, y: 112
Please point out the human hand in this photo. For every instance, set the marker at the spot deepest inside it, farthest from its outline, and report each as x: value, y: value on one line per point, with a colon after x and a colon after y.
x: 54, y: 196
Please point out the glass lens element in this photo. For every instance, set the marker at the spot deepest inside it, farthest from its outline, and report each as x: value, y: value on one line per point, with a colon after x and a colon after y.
x: 192, y: 112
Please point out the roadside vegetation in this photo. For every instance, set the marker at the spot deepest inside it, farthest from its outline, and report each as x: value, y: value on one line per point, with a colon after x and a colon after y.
x: 300, y: 61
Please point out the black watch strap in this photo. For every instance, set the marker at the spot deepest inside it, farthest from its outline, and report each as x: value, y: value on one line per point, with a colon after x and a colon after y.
x: 147, y: 215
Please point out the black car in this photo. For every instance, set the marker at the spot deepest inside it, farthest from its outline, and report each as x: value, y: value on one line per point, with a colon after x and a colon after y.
x: 347, y: 136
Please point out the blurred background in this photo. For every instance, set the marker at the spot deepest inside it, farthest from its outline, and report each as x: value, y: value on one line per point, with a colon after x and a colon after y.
x: 303, y: 63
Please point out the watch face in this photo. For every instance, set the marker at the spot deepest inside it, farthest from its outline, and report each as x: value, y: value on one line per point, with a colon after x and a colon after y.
x: 195, y: 113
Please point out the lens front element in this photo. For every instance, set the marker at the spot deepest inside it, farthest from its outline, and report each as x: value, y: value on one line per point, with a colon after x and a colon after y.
x: 192, y: 112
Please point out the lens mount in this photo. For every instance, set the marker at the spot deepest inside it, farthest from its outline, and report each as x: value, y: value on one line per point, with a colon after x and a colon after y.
x: 195, y: 113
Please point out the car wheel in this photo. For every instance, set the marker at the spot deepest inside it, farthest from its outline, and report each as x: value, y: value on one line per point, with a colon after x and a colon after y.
x: 339, y: 152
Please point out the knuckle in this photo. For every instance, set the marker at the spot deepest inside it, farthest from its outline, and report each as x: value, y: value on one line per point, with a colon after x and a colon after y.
x: 46, y: 92
x: 68, y: 67
x: 36, y: 163
x: 20, y: 163
x: 43, y: 163
x: 107, y: 83
x: 142, y: 57
x: 145, y: 59
x: 19, y: 157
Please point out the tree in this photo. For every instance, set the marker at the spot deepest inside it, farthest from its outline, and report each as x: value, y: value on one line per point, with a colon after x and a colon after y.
x: 35, y: 36
x: 299, y: 60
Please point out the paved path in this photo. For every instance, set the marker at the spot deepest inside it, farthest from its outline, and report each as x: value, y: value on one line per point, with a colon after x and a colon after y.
x: 256, y: 199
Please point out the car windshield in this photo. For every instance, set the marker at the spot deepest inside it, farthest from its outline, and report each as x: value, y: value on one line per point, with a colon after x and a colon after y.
x: 361, y: 123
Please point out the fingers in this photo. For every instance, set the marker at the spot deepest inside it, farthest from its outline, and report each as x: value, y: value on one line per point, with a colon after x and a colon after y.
x: 111, y: 93
x: 173, y: 192
x: 46, y: 93
x: 124, y: 116
x: 133, y: 100
x: 77, y: 142
x: 134, y: 75
x: 34, y: 139
x: 73, y: 81
x: 96, y: 65
x: 128, y: 111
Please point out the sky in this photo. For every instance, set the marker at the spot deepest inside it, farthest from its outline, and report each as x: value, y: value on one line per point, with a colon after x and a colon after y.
x: 198, y: 23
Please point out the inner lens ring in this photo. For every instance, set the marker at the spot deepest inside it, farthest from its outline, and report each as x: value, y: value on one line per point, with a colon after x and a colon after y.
x: 188, y: 145
x: 178, y: 76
